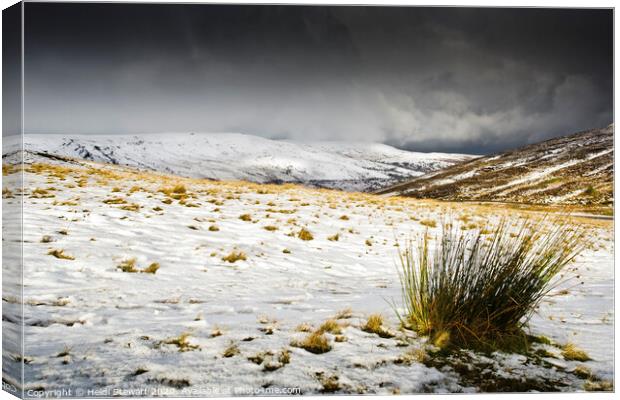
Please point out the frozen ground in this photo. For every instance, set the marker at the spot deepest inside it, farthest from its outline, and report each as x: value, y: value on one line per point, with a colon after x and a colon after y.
x: 90, y: 326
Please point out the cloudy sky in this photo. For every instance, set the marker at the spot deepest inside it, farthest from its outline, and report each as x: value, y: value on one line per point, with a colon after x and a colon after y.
x: 427, y: 79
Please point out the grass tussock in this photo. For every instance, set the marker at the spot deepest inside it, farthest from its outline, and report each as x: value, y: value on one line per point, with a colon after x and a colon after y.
x: 131, y: 207
x: 245, y: 217
x: 480, y: 292
x: 128, y: 265
x: 332, y: 326
x: 115, y: 200
x: 235, y: 256
x: 60, y: 253
x: 316, y: 343
x: 429, y: 223
x: 231, y: 351
x: 374, y: 324
x: 182, y: 343
x: 305, y: 234
x: 151, y: 269
x: 334, y: 238
x: 571, y: 352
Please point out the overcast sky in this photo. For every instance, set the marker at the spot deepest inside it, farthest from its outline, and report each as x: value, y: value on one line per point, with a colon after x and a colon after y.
x: 427, y: 79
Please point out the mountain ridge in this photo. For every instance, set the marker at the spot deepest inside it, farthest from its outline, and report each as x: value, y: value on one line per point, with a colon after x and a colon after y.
x: 231, y: 156
x: 571, y: 169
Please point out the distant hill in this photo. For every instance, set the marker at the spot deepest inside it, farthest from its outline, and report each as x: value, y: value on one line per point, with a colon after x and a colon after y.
x: 575, y: 169
x: 229, y: 156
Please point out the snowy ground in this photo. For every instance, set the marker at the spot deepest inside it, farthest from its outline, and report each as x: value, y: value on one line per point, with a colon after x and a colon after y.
x: 100, y: 331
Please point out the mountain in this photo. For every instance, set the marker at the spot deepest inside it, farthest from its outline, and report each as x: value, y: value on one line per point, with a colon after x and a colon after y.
x: 574, y: 169
x: 347, y: 166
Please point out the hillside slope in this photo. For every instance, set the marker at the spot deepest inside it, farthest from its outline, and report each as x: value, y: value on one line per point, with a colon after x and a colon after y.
x: 574, y: 169
x: 348, y: 166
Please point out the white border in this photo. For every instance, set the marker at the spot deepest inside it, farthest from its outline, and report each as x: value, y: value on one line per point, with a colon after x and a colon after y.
x: 458, y: 3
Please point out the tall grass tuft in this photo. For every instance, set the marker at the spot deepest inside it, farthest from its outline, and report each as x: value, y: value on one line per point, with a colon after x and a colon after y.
x: 469, y: 289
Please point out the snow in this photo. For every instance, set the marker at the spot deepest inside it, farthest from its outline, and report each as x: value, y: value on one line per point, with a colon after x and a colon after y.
x: 113, y: 322
x: 230, y: 156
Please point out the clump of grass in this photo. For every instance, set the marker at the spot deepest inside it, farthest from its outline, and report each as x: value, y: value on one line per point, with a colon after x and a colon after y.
x: 179, y: 189
x: 344, y: 217
x: 305, y: 234
x: 598, y: 386
x: 151, y: 269
x: 316, y: 343
x: 128, y: 265
x: 231, y: 351
x: 284, y: 357
x: 182, y: 342
x: 245, y: 217
x: 428, y: 223
x: 334, y: 238
x: 331, y: 326
x: 270, y: 228
x: 235, y: 256
x: 286, y: 251
x: 368, y: 242
x: 571, y: 352
x: 374, y: 324
x: 46, y: 239
x: 213, y: 228
x: 115, y: 200
x: 131, y: 207
x: 583, y: 372
x: 345, y: 313
x: 304, y: 327
x: 60, y: 253
x: 480, y: 292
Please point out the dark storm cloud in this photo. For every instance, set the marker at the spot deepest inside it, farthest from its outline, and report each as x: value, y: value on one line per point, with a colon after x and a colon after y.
x: 470, y: 80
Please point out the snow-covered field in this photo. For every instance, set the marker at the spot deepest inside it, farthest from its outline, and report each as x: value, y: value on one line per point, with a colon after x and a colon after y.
x: 91, y: 326
x: 348, y: 166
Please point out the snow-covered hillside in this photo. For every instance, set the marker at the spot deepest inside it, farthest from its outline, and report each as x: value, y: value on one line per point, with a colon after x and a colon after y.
x: 574, y: 169
x: 348, y: 166
x: 238, y: 290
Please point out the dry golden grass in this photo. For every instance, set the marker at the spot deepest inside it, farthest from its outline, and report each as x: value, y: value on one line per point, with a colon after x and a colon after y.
x: 131, y: 207
x: 428, y: 223
x: 316, y: 343
x: 374, y: 324
x: 152, y: 268
x: 344, y: 217
x: 573, y: 353
x: 270, y: 228
x: 181, y: 342
x: 331, y: 326
x: 128, y: 265
x: 213, y: 228
x: 235, y: 256
x: 231, y: 351
x: 305, y: 234
x: 59, y: 253
x: 9, y: 169
x: 345, y: 313
x: 304, y: 327
x: 115, y: 200
x: 334, y: 238
x: 245, y: 217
